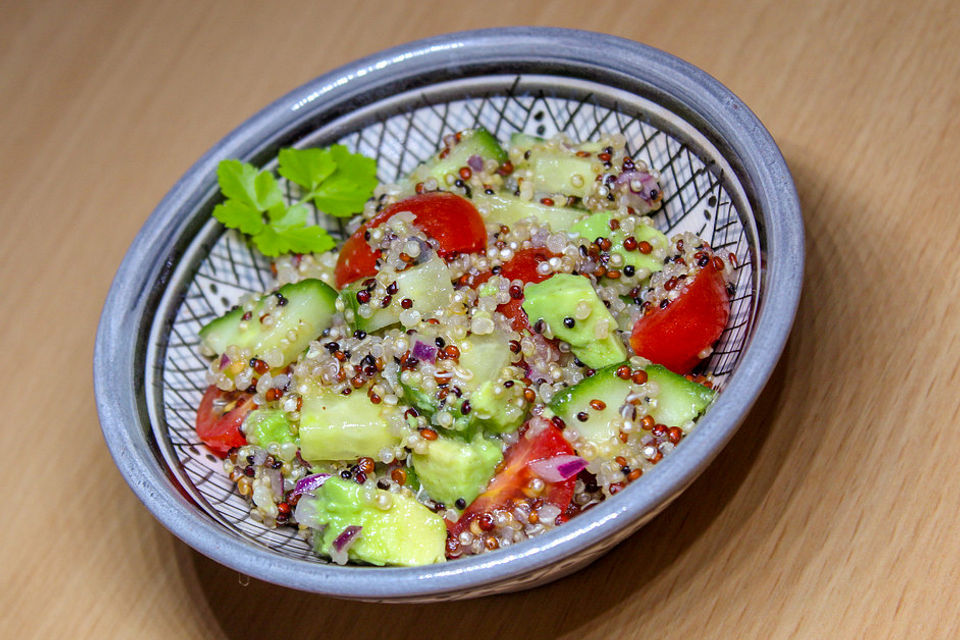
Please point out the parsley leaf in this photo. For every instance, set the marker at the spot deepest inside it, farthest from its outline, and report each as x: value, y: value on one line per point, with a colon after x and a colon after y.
x: 351, y: 185
x: 336, y: 181
x: 239, y: 215
x: 306, y: 167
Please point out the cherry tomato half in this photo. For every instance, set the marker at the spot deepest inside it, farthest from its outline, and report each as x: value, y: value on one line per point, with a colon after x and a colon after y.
x: 675, y: 335
x: 447, y: 218
x: 219, y: 418
x: 514, y: 478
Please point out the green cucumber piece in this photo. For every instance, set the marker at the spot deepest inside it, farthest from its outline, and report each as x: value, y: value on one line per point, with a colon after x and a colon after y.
x: 338, y: 427
x: 604, y: 385
x: 524, y: 141
x: 428, y: 286
x: 502, y: 208
x: 473, y: 142
x: 555, y: 171
x: 678, y: 401
x: 308, y: 310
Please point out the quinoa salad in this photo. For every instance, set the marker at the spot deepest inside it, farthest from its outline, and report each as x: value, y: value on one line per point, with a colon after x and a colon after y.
x: 502, y: 341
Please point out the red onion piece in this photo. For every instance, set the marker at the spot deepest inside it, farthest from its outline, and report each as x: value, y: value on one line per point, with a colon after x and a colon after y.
x: 224, y: 362
x: 310, y: 483
x: 475, y: 162
x: 342, y: 542
x: 346, y: 537
x: 640, y: 183
x: 424, y: 352
x: 558, y: 468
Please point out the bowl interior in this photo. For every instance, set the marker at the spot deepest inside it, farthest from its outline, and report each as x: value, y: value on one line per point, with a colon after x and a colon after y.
x: 702, y: 194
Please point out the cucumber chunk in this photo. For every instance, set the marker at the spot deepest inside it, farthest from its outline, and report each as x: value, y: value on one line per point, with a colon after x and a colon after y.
x: 304, y: 308
x: 428, y: 286
x: 677, y: 403
x: 560, y: 172
x: 337, y: 427
x: 450, y: 159
x: 506, y: 209
x: 680, y: 400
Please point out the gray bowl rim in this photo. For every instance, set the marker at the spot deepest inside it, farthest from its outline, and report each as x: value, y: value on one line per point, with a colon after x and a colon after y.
x: 147, y: 265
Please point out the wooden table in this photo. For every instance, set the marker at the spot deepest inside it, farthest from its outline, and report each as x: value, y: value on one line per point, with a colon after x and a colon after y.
x: 834, y: 513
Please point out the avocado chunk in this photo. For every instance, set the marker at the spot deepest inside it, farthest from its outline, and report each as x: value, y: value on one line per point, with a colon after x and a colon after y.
x: 498, y: 413
x: 264, y: 427
x: 677, y: 403
x: 598, y: 226
x: 405, y: 534
x: 338, y: 427
x: 304, y: 308
x: 501, y: 208
x: 561, y: 301
x: 452, y: 469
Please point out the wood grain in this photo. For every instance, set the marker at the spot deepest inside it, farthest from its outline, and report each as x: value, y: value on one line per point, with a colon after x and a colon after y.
x: 833, y: 513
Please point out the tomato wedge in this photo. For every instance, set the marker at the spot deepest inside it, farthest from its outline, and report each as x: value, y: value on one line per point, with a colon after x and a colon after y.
x: 446, y: 217
x: 522, y: 266
x: 675, y: 335
x: 512, y: 482
x: 219, y: 418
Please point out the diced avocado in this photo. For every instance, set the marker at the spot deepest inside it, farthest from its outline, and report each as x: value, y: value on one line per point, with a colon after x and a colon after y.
x: 678, y: 402
x: 268, y: 426
x: 502, y: 208
x: 498, y: 413
x: 428, y: 286
x: 452, y: 469
x: 598, y: 226
x: 450, y: 159
x: 558, y: 301
x: 405, y: 534
x: 305, y: 308
x: 338, y: 427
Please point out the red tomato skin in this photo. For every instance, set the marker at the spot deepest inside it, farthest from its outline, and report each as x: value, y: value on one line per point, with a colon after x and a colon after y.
x: 515, y: 474
x: 675, y: 335
x: 221, y: 431
x: 522, y: 266
x: 446, y: 217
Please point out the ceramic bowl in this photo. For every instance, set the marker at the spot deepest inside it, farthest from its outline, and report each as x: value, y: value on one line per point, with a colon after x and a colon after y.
x: 723, y: 178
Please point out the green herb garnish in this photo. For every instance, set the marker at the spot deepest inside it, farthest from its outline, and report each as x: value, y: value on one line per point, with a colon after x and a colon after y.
x: 336, y: 181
